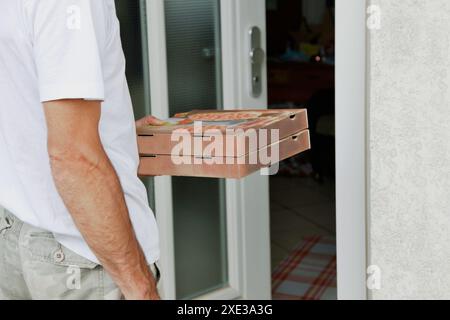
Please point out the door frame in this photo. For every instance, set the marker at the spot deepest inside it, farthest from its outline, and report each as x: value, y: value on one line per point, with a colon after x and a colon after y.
x: 249, y: 220
x: 248, y: 233
x: 352, y: 149
x: 160, y: 108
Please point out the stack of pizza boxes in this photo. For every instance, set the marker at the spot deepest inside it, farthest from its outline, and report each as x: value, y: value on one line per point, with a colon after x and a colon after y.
x: 222, y: 144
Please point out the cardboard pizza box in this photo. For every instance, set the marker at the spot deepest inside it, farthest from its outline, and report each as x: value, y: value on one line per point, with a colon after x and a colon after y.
x: 225, y: 167
x: 234, y: 133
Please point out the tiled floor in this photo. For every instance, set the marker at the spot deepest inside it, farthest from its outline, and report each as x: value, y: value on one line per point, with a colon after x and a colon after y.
x: 300, y: 207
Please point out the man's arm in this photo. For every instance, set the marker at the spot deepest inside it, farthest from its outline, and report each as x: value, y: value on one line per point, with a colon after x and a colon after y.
x: 90, y: 188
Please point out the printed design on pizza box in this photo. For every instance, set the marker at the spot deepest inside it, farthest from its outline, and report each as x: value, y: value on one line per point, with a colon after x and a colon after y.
x: 219, y: 120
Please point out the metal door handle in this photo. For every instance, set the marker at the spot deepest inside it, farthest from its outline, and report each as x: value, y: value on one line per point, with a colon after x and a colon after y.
x: 257, y: 58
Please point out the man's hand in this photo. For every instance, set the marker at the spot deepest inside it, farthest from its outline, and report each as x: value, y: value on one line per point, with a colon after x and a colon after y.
x: 149, y: 121
x: 90, y: 188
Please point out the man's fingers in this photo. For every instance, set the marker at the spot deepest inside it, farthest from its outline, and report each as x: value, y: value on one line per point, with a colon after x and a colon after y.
x: 155, y: 121
x: 149, y: 121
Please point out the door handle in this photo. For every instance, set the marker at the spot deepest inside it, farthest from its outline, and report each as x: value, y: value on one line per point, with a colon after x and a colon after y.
x: 257, y: 58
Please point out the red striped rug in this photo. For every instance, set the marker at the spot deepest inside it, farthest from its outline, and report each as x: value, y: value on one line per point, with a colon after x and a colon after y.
x: 308, y: 273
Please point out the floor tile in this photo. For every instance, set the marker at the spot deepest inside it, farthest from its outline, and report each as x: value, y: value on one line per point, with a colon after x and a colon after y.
x: 277, y: 255
x: 296, y: 192
x: 323, y: 215
x: 274, y: 206
x: 327, y: 187
x: 288, y: 229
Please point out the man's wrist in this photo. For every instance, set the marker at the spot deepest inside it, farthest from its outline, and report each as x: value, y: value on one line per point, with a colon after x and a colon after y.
x: 139, y: 286
x: 141, y: 292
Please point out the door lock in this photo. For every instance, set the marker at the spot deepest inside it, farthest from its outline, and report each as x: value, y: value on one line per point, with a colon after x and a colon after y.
x: 257, y: 58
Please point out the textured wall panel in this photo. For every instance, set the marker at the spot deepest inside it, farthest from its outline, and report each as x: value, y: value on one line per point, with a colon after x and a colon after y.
x: 409, y: 231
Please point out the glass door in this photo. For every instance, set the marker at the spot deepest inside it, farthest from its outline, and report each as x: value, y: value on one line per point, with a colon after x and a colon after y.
x: 214, y: 233
x: 194, y: 71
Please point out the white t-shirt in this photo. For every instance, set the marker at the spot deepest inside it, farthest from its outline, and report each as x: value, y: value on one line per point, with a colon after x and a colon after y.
x: 57, y: 49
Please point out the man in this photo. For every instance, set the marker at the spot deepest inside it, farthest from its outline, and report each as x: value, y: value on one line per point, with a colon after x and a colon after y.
x: 77, y: 224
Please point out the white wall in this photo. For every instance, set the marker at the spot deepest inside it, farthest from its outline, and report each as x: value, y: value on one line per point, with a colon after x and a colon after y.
x: 409, y: 88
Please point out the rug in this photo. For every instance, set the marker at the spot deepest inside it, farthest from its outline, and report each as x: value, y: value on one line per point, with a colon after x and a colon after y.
x: 308, y: 273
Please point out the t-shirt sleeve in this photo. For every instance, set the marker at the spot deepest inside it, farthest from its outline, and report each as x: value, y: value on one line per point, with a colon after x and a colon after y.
x: 67, y: 43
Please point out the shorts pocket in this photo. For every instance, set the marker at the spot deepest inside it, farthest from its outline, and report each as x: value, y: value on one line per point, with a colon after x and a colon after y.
x: 6, y: 223
x: 43, y: 246
x: 157, y: 273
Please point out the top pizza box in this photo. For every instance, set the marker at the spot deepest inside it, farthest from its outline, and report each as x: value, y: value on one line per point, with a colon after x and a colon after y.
x: 233, y: 133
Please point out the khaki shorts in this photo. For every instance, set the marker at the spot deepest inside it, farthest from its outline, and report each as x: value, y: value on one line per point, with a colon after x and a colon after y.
x: 33, y: 265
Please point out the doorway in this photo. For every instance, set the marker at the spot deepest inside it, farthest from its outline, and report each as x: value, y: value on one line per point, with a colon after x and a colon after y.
x: 232, y: 226
x: 301, y: 74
